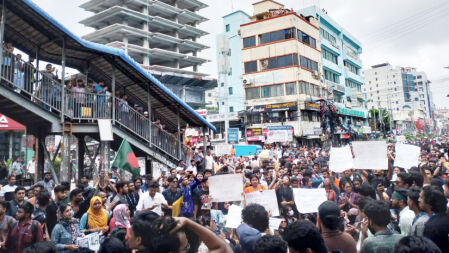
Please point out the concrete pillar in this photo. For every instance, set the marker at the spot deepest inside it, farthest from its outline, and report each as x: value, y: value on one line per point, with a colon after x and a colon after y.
x: 65, y: 173
x: 11, y: 139
x: 40, y: 157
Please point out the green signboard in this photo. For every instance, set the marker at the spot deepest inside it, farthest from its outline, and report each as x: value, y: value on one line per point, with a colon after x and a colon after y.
x: 350, y: 112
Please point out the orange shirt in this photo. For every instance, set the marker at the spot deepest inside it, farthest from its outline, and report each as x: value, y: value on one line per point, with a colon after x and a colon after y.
x: 252, y: 189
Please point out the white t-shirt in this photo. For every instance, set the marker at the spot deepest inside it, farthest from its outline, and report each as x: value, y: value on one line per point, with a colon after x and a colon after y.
x: 7, y: 188
x: 209, y: 162
x: 193, y: 169
x: 31, y: 167
x: 146, y: 201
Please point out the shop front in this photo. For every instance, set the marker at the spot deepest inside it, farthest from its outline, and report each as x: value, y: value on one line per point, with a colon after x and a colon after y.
x: 11, y: 133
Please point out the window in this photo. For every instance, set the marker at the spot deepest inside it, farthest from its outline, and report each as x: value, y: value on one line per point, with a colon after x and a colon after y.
x: 272, y: 91
x: 222, y: 84
x: 304, y: 88
x: 306, y: 39
x: 330, y: 76
x: 352, y: 68
x: 277, y: 35
x: 329, y: 56
x: 231, y: 108
x: 309, y: 64
x: 209, y: 94
x: 249, y: 42
x: 291, y: 88
x: 352, y: 84
x: 230, y: 72
x: 253, y: 93
x: 230, y: 90
x: 280, y: 61
x: 250, y: 66
x: 325, y: 34
x: 228, y: 27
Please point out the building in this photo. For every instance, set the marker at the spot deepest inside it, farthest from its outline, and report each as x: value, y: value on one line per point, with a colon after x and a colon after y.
x: 403, y: 91
x: 342, y: 75
x: 230, y: 84
x: 161, y: 35
x: 281, y: 58
x: 11, y: 133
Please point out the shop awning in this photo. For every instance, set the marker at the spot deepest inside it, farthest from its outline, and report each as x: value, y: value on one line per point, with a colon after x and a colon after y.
x: 7, y: 124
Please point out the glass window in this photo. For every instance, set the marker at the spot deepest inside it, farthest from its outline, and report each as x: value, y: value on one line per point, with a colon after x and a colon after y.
x: 273, y: 91
x: 230, y: 72
x: 306, y: 39
x: 230, y: 90
x: 228, y: 27
x: 291, y: 88
x: 231, y: 108
x: 277, y: 35
x: 249, y: 42
x: 281, y: 61
x: 325, y: 34
x: 253, y: 93
x: 351, y: 68
x: 304, y: 88
x: 330, y: 76
x: 250, y: 66
x: 309, y: 64
x: 329, y: 56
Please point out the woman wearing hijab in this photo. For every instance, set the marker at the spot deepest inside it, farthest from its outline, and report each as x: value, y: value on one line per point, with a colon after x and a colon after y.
x: 96, y: 218
x: 121, y: 217
x: 66, y: 231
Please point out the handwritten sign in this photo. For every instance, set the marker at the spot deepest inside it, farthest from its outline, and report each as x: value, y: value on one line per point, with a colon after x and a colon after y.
x: 341, y: 159
x: 274, y: 223
x: 407, y: 155
x: 370, y: 155
x: 91, y: 241
x: 234, y: 218
x: 224, y: 188
x: 266, y: 199
x: 308, y: 200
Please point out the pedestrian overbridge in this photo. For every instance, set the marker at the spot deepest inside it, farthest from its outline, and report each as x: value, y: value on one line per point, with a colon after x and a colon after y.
x: 49, y: 104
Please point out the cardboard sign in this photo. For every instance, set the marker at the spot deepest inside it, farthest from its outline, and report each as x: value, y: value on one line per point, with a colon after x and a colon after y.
x: 266, y: 199
x: 224, y: 188
x: 370, y: 155
x: 341, y: 159
x: 308, y: 200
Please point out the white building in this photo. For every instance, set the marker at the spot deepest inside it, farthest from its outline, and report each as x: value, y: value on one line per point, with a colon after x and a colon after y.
x: 161, y: 35
x: 403, y: 91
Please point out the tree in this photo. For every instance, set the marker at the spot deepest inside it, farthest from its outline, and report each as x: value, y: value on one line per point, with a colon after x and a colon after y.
x: 379, y: 123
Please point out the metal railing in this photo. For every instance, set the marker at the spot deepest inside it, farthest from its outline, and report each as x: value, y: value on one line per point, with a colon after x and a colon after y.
x: 82, y: 105
x: 45, y: 90
x: 129, y: 118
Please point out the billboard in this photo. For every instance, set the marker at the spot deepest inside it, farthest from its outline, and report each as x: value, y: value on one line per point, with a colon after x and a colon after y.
x: 233, y: 135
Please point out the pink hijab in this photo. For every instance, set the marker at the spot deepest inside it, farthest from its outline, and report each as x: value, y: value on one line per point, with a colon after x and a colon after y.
x: 121, y: 220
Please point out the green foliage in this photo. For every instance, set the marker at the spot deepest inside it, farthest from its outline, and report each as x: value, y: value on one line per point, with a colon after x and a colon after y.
x: 8, y: 163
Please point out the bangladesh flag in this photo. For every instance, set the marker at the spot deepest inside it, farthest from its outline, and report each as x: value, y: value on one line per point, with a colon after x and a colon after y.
x: 125, y: 159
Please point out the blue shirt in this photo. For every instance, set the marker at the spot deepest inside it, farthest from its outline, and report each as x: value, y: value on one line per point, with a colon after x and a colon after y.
x: 62, y: 236
x: 187, y: 206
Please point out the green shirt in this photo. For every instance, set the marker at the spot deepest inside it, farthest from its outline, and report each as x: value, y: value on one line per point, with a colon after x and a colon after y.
x: 381, y: 242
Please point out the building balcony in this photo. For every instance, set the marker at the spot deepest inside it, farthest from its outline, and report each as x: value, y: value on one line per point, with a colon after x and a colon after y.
x: 331, y: 66
x: 334, y: 47
x: 360, y: 95
x: 353, y: 77
x: 335, y: 86
x: 353, y: 58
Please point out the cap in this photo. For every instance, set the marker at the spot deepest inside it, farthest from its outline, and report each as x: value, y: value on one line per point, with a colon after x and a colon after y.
x: 329, y: 210
x: 400, y: 194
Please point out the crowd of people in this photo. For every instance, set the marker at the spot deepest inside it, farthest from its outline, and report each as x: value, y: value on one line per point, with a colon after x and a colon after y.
x: 394, y: 210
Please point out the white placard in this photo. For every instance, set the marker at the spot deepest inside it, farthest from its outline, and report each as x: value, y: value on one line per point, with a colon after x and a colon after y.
x: 105, y: 128
x: 341, y: 159
x: 234, y: 217
x: 274, y: 223
x: 91, y: 241
x: 266, y: 199
x: 370, y: 155
x: 308, y: 200
x: 222, y: 149
x: 224, y: 188
x: 407, y: 155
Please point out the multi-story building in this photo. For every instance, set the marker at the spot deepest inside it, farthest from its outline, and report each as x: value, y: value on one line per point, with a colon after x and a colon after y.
x: 161, y: 35
x: 403, y: 91
x: 342, y: 75
x: 230, y: 87
x: 282, y: 66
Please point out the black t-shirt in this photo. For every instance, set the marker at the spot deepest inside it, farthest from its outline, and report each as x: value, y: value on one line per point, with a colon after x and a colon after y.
x: 437, y: 230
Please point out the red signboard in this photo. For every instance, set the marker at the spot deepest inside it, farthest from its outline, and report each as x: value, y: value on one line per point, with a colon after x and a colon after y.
x: 7, y: 124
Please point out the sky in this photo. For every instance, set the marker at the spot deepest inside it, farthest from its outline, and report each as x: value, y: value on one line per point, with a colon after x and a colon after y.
x: 408, y: 33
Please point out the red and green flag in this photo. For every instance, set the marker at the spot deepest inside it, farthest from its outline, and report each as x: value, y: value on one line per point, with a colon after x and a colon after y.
x: 125, y: 159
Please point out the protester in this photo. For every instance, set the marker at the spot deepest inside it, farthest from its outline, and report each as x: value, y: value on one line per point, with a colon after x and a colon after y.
x: 302, y: 237
x: 121, y: 219
x: 270, y: 244
x: 47, y: 183
x: 416, y: 244
x: 330, y: 221
x: 6, y: 190
x: 406, y: 216
x: 171, y: 194
x: 96, y: 218
x: 6, y: 223
x: 67, y: 230
x: 254, y: 185
x: 19, y: 199
x: 25, y: 232
x: 255, y: 222
x: 376, y: 221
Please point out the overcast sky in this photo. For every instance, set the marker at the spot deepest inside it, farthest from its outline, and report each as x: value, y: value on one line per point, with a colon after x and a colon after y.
x: 409, y: 33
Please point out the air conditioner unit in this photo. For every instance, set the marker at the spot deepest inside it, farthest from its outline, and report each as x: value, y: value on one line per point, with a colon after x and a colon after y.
x: 246, y: 82
x: 316, y: 75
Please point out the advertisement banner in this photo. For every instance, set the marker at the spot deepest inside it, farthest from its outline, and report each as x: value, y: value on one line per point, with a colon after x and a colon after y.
x: 277, y: 136
x: 233, y: 135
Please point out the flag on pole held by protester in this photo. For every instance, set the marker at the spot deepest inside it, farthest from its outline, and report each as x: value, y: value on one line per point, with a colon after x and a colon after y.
x: 176, y: 206
x: 125, y: 159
